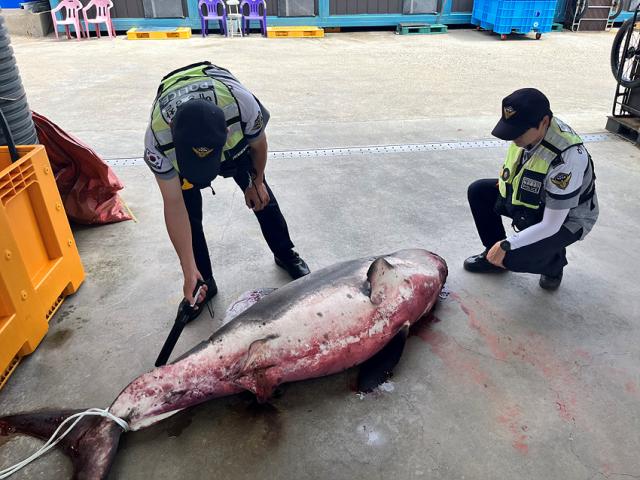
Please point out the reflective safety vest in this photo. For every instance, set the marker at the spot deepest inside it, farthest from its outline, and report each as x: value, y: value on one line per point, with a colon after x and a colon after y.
x: 200, y: 80
x: 521, y: 186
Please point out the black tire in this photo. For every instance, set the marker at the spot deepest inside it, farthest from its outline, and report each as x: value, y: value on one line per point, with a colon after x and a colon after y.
x: 618, y: 4
x: 627, y: 78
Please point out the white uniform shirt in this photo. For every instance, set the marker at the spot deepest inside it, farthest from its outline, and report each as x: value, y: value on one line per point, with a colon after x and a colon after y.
x: 563, y: 185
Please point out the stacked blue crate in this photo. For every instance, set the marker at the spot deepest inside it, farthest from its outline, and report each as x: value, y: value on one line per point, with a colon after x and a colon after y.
x: 514, y: 16
x: 10, y: 3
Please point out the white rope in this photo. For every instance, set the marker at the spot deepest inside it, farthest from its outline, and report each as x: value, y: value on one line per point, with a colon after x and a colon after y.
x: 53, y: 441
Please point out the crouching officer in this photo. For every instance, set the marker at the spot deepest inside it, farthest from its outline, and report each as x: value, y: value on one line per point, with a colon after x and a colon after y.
x: 546, y: 186
x: 205, y: 123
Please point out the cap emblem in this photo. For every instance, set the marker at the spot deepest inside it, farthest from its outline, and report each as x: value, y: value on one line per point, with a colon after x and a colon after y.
x: 508, y: 112
x: 202, y: 152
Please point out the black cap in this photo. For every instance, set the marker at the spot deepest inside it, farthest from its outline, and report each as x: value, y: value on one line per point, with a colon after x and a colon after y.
x: 522, y: 110
x: 199, y: 131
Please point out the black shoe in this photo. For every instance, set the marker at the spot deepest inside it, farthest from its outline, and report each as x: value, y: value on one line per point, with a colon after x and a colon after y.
x: 480, y: 264
x: 293, y: 264
x: 549, y: 282
x: 212, y: 291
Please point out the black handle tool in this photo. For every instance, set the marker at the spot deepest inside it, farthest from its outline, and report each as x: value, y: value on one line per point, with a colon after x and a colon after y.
x: 184, y: 312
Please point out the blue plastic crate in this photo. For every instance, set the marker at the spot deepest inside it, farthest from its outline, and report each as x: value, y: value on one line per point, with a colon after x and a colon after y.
x: 10, y: 3
x: 514, y: 16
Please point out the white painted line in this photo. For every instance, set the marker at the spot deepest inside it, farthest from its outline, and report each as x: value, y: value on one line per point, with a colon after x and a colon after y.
x: 380, y: 149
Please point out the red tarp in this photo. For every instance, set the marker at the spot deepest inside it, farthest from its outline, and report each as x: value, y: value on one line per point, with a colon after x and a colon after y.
x: 88, y: 186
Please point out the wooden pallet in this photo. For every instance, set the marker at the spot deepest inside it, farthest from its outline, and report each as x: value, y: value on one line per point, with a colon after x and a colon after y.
x: 627, y: 127
x: 420, y: 28
x: 158, y: 34
x: 295, y: 32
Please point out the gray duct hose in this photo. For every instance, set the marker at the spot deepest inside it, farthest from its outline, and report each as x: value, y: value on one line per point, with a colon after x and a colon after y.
x: 13, y: 98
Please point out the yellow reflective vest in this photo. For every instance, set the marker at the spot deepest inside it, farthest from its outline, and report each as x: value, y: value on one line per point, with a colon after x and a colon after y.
x: 521, y: 186
x: 200, y: 80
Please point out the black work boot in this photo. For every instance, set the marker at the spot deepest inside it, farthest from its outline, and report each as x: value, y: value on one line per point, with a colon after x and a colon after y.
x: 212, y: 291
x: 292, y: 263
x: 550, y: 282
x: 480, y: 264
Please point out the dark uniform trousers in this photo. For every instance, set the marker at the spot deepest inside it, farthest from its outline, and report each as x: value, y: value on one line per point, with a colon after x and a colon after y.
x: 272, y: 223
x: 547, y: 256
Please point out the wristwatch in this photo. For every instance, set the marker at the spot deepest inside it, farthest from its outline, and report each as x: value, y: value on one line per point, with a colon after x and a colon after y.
x: 505, y: 245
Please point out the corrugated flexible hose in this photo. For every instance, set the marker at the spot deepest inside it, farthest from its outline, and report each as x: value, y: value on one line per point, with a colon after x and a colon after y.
x: 13, y: 98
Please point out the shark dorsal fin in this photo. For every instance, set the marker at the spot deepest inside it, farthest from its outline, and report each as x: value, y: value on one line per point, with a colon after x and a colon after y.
x: 381, y: 275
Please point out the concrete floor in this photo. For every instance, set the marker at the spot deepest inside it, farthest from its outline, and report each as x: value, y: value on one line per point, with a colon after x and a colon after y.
x: 509, y: 382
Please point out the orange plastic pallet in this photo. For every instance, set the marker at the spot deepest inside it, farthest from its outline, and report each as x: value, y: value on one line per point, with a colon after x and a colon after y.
x: 38, y: 254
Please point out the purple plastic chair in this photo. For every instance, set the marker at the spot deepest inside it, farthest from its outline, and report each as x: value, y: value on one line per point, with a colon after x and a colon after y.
x: 257, y: 11
x: 212, y: 10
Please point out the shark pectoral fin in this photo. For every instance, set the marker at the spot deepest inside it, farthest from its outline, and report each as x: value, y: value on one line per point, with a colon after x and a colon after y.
x: 250, y: 371
x: 252, y: 359
x: 376, y: 370
x: 264, y: 385
x: 259, y: 383
x: 244, y: 302
x: 381, y: 275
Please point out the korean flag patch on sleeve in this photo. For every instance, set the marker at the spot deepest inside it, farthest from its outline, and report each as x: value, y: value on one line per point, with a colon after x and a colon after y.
x: 152, y: 159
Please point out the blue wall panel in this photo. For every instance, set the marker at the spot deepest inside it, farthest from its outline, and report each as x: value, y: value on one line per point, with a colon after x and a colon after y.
x: 324, y: 19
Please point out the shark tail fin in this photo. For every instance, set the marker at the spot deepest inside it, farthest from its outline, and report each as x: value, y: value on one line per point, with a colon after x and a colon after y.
x: 91, y: 445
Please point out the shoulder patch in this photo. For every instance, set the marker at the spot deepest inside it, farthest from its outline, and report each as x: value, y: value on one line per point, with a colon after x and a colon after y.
x: 259, y: 123
x: 561, y: 180
x: 152, y: 159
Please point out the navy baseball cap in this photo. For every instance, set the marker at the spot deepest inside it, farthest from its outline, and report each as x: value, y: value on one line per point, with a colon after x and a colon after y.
x: 199, y: 131
x: 522, y: 110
